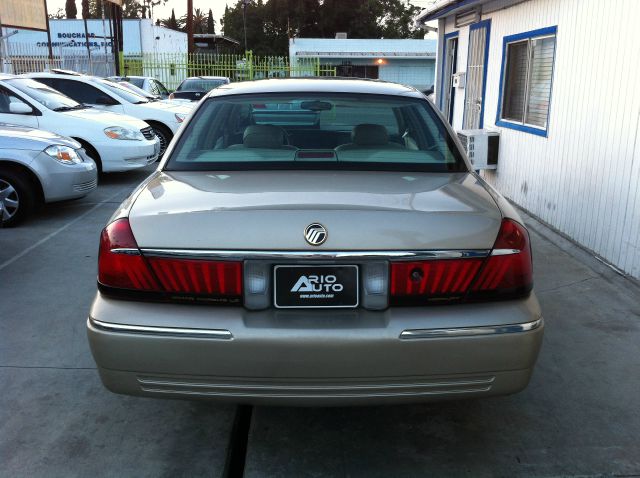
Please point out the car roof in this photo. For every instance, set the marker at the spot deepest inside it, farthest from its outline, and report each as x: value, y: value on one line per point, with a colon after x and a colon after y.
x: 317, y: 85
x: 205, y: 77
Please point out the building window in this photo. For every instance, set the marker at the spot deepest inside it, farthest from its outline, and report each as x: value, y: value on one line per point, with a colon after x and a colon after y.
x: 526, y: 79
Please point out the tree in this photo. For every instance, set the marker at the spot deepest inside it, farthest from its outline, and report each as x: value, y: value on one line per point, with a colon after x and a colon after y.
x: 271, y: 24
x: 199, y: 21
x: 211, y: 23
x: 95, y: 8
x: 85, y: 9
x: 170, y: 22
x: 70, y: 9
x: 60, y: 14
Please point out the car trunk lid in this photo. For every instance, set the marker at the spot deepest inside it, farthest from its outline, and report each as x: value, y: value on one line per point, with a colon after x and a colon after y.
x: 269, y: 210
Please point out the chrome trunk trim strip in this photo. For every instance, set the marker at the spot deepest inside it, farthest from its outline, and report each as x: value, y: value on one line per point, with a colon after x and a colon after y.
x: 126, y: 250
x: 318, y: 255
x: 220, y: 334
x: 504, y: 252
x: 470, y: 331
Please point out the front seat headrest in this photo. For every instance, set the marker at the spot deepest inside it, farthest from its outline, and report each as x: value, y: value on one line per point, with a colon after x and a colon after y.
x: 263, y: 136
x: 370, y: 135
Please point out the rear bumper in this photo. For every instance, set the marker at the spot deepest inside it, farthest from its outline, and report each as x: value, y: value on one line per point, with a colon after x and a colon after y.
x: 318, y: 358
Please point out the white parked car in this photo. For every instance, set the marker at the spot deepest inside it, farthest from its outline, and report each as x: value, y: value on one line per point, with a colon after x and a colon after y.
x: 164, y: 117
x: 115, y: 142
x: 149, y: 84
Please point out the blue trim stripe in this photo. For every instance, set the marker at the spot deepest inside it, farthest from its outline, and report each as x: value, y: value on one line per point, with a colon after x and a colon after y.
x: 522, y: 127
x: 475, y: 26
x: 510, y: 39
x: 444, y: 56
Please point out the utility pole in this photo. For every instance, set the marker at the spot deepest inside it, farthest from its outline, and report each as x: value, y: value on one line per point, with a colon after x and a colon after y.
x: 190, y: 26
x: 46, y: 14
x: 86, y: 42
x: 245, y: 3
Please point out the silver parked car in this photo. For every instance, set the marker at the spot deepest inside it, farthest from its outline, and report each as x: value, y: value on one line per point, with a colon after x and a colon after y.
x: 38, y: 166
x: 349, y: 258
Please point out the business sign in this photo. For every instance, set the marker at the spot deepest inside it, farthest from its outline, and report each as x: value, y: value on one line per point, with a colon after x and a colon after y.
x: 30, y: 14
x: 70, y: 35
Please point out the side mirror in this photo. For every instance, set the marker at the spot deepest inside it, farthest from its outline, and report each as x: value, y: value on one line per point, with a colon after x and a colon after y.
x: 20, y: 109
x: 106, y: 101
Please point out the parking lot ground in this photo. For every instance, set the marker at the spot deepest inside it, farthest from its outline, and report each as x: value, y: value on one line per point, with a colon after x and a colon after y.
x: 579, y: 416
x: 56, y: 419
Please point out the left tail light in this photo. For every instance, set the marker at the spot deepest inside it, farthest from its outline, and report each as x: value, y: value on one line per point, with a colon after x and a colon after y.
x: 122, y: 266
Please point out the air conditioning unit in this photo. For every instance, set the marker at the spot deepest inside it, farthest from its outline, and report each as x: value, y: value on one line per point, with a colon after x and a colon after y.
x: 481, y: 146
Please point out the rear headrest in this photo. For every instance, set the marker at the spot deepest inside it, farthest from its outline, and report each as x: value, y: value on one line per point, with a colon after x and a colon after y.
x: 370, y: 135
x: 263, y: 136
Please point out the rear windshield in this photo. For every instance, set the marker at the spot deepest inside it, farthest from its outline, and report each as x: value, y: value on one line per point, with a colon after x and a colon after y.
x: 200, y: 84
x: 122, y: 91
x: 139, y: 82
x: 316, y: 131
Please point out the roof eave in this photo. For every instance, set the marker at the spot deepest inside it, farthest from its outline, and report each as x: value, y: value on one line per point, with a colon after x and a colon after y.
x: 444, y: 10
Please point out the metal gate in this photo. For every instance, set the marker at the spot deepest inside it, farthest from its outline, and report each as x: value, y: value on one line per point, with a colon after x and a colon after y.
x: 476, y: 74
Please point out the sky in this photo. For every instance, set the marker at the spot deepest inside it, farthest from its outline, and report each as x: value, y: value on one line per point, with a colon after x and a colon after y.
x: 164, y: 11
x: 180, y: 6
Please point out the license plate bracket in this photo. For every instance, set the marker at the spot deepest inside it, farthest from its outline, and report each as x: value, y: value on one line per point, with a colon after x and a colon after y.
x: 316, y: 286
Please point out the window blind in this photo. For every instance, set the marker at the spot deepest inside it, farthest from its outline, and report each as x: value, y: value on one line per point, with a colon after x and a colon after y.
x: 540, y: 81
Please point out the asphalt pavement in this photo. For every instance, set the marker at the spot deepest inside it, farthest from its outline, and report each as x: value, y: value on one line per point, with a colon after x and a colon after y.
x: 580, y: 416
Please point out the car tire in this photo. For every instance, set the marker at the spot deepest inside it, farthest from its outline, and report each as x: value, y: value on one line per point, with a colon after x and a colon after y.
x: 17, y: 196
x: 92, y: 153
x: 164, y: 135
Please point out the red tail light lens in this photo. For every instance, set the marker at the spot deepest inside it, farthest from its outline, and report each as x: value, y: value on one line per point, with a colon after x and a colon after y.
x: 122, y: 266
x: 438, y: 278
x: 506, y: 272
x: 509, y: 269
x: 198, y: 277
x: 120, y: 263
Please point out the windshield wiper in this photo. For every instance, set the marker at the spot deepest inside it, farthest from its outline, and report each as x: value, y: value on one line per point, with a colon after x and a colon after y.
x: 70, y: 108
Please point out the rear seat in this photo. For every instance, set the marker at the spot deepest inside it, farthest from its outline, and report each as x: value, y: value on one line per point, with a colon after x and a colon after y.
x: 369, y: 136
x: 263, y: 136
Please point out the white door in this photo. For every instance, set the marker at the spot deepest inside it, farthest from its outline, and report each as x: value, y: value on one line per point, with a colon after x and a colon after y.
x: 476, y: 75
x: 14, y: 110
x: 450, y: 68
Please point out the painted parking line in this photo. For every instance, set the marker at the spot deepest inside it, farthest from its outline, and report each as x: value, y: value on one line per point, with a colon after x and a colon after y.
x: 60, y: 229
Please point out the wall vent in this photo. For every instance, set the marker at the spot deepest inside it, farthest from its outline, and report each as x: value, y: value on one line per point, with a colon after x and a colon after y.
x: 467, y: 17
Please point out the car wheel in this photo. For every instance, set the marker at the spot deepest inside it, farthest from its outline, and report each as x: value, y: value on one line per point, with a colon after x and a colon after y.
x: 17, y: 197
x: 164, y: 136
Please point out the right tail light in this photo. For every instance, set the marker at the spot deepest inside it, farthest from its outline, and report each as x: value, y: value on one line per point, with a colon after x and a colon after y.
x: 506, y: 273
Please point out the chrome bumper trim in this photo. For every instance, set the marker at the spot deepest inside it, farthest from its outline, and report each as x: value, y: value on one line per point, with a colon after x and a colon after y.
x: 470, y: 331
x: 319, y: 255
x: 220, y: 334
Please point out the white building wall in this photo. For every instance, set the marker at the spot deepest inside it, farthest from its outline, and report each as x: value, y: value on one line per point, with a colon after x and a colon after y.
x: 584, y: 178
x: 158, y: 39
x: 420, y: 75
x: 139, y: 36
